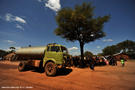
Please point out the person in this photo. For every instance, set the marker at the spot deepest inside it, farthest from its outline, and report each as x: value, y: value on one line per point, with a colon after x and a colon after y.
x: 91, y: 63
x: 110, y: 60
x: 97, y: 60
x: 122, y: 61
x: 115, y: 61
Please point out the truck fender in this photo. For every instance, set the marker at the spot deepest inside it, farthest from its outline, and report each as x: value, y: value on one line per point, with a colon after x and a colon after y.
x: 50, y: 60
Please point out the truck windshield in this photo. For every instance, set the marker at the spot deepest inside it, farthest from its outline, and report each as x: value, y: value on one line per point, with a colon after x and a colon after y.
x: 64, y: 50
x: 55, y: 48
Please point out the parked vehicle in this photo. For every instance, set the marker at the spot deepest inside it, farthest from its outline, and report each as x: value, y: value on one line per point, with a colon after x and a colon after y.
x: 49, y: 58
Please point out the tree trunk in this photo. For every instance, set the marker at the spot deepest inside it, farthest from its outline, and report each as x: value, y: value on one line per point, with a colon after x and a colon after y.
x: 82, y: 54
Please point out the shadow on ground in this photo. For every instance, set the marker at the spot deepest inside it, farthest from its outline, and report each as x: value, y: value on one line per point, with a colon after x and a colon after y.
x: 60, y: 72
x: 63, y: 71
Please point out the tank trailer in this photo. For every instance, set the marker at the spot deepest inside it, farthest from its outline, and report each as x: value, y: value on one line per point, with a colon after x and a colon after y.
x: 48, y: 58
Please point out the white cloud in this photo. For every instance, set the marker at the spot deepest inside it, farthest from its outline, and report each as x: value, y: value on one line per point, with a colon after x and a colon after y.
x: 42, y: 0
x: 107, y: 40
x: 9, y: 41
x: 11, y: 18
x: 39, y: 0
x: 98, y: 47
x: 17, y: 47
x: 75, y: 53
x: 7, y: 49
x: 19, y: 27
x: 53, y: 4
x: 19, y: 19
x: 73, y: 48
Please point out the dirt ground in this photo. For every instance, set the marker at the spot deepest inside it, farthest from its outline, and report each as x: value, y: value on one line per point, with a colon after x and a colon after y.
x: 103, y: 78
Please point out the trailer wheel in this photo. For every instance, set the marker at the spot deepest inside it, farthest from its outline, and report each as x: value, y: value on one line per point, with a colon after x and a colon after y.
x: 21, y: 66
x: 50, y: 69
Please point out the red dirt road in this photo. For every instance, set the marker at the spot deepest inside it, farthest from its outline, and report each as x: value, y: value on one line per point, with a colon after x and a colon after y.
x: 103, y: 78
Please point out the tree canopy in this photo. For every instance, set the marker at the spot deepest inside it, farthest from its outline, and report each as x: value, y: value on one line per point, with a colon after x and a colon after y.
x: 127, y: 47
x: 3, y: 53
x: 12, y: 49
x: 88, y: 54
x: 80, y: 24
x: 110, y: 50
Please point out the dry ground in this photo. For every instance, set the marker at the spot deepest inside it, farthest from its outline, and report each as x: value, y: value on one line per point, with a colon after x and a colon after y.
x: 103, y: 78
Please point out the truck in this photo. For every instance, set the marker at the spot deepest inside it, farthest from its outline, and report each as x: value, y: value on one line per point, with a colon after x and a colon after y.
x: 48, y: 58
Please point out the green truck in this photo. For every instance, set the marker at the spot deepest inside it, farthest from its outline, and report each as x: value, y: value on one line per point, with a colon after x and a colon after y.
x: 49, y: 58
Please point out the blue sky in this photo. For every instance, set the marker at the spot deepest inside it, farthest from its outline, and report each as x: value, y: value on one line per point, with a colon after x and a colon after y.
x: 32, y: 22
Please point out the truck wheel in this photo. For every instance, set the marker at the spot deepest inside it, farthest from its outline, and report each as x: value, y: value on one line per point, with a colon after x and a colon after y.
x: 50, y: 69
x: 21, y: 66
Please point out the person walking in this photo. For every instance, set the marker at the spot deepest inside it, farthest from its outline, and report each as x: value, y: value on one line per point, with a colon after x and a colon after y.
x: 91, y: 63
x: 115, y: 60
x: 122, y: 60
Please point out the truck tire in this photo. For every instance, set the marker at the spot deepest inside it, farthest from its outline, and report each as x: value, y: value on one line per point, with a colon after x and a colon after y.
x: 21, y: 66
x: 50, y: 69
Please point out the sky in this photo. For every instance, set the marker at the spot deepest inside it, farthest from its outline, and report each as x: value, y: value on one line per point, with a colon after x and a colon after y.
x: 32, y: 22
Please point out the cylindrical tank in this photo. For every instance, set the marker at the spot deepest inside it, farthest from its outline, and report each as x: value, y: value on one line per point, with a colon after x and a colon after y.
x: 31, y: 52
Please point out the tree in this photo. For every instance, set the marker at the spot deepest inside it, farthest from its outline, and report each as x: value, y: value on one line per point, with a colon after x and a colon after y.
x: 80, y: 24
x: 100, y: 54
x: 3, y: 53
x: 12, y: 49
x: 126, y: 46
x: 110, y: 50
x: 88, y: 53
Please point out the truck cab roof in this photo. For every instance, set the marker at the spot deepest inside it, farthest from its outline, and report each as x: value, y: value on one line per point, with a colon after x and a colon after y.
x: 54, y: 44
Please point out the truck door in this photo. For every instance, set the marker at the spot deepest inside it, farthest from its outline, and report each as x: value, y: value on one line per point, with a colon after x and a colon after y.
x: 54, y: 52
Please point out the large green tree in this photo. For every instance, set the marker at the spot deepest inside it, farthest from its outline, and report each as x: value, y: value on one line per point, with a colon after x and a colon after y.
x: 88, y: 54
x: 80, y: 24
x: 110, y: 50
x: 126, y: 46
